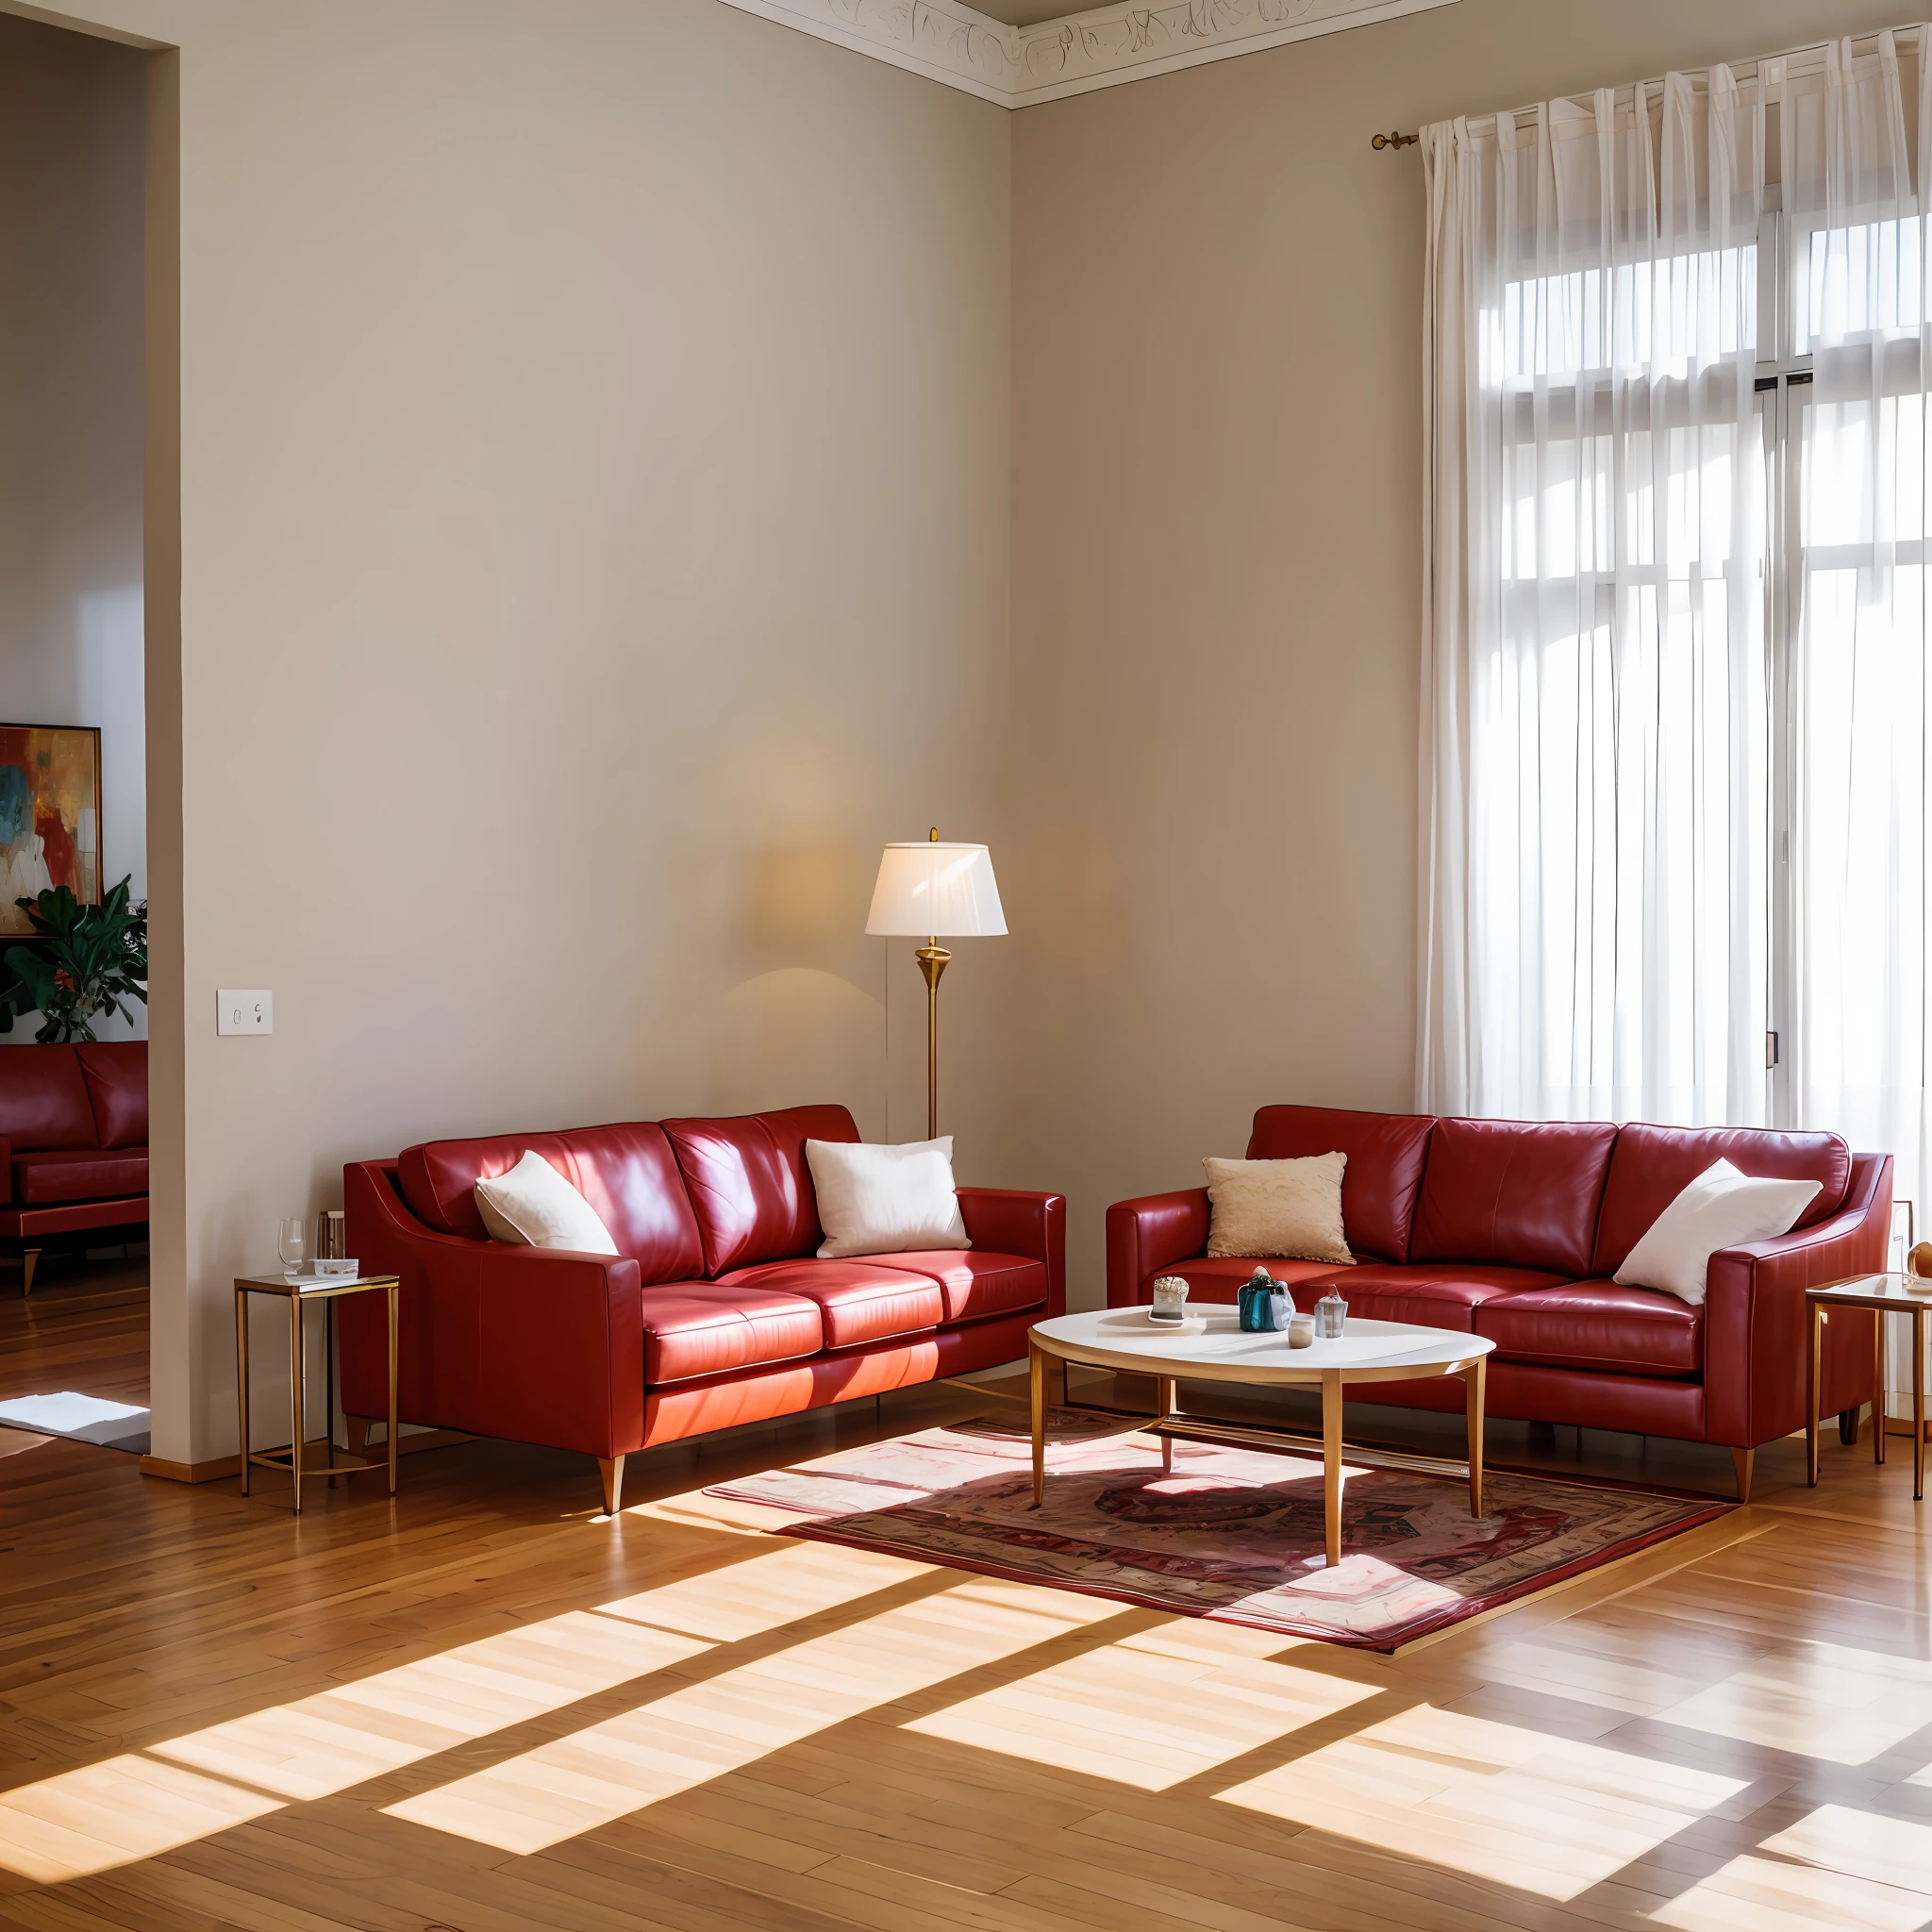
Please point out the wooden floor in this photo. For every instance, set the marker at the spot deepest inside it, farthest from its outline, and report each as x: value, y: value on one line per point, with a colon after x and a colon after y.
x: 483, y: 1708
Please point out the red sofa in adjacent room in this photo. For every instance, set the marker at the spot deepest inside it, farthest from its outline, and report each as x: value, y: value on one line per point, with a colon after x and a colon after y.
x: 1513, y: 1228
x: 73, y: 1147
x: 716, y: 1310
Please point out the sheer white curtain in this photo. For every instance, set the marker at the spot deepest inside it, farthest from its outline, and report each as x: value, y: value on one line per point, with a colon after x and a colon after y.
x: 1861, y: 711
x: 1597, y: 787
x: 1677, y: 720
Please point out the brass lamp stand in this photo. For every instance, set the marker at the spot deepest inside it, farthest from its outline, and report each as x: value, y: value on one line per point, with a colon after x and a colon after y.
x: 934, y: 889
x: 933, y: 960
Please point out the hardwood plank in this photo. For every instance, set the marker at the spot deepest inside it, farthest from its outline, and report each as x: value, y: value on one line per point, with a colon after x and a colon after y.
x: 483, y: 1708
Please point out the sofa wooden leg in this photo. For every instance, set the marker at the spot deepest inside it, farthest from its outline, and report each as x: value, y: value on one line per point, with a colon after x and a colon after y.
x: 27, y: 1262
x: 1740, y: 1463
x: 1848, y: 1420
x: 612, y: 1468
x: 355, y: 1429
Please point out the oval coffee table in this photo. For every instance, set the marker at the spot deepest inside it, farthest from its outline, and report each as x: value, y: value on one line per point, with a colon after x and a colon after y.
x: 1126, y: 1341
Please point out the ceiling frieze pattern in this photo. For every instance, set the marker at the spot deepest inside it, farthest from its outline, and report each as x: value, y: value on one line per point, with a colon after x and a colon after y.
x: 1017, y: 66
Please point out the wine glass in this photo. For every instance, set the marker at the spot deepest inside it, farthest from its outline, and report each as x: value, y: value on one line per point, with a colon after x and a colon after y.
x: 289, y: 1238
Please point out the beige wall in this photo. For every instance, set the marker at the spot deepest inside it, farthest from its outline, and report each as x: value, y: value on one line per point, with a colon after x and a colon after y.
x: 594, y: 527
x: 1217, y: 514
x: 70, y: 414
x: 604, y: 480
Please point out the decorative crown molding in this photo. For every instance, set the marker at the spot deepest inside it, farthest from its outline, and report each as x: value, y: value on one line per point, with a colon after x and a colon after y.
x: 1017, y: 66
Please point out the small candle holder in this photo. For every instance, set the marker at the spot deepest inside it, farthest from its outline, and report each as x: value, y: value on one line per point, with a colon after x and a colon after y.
x: 1169, y: 1300
x: 1331, y: 1316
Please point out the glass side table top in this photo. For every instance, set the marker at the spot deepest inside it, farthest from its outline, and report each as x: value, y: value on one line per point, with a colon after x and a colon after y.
x: 313, y: 1285
x: 1875, y: 1291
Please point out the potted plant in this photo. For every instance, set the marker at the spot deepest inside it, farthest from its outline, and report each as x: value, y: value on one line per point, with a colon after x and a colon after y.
x: 83, y: 962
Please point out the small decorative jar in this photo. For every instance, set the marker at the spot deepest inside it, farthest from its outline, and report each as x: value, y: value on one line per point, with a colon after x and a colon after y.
x: 1256, y: 1303
x: 1331, y: 1316
x: 1169, y: 1300
x: 1301, y: 1331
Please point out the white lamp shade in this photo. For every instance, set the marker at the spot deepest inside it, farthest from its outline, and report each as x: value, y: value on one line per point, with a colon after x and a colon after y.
x: 927, y: 889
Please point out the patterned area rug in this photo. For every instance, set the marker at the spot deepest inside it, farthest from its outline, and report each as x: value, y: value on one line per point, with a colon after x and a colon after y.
x: 1233, y: 1534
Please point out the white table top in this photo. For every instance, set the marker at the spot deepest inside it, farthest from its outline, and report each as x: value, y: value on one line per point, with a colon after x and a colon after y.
x: 1367, y: 1351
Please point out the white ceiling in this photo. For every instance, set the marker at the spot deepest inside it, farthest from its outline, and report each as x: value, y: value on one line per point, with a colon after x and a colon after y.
x: 1020, y: 52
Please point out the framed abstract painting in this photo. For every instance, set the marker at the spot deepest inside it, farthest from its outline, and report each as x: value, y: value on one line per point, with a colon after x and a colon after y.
x: 50, y: 816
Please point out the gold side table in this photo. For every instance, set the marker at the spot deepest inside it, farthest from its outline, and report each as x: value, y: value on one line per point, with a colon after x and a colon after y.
x: 298, y: 1293
x: 1883, y: 1294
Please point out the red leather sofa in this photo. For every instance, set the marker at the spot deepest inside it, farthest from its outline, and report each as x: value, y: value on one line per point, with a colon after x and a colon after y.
x: 1512, y: 1229
x: 73, y: 1147
x: 716, y: 1311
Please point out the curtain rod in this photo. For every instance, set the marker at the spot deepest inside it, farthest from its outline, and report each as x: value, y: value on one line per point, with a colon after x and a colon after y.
x: 1793, y: 61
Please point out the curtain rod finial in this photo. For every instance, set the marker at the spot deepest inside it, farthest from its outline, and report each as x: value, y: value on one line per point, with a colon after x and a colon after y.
x: 1382, y: 141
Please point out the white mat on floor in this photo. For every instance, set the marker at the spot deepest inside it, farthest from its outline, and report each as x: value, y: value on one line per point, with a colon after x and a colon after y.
x: 80, y: 1419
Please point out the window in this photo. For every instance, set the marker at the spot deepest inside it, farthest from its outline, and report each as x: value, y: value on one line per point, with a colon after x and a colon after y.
x: 1677, y: 729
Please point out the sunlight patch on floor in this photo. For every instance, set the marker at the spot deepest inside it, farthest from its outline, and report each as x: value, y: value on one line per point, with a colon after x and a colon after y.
x: 1888, y: 1851
x: 1553, y: 1669
x: 351, y: 1733
x: 1763, y: 1895
x: 1543, y: 1814
x: 1815, y: 1699
x: 64, y: 1410
x: 109, y: 1814
x: 766, y: 1592
x: 691, y: 1736
x: 341, y: 1738
x: 1143, y: 1714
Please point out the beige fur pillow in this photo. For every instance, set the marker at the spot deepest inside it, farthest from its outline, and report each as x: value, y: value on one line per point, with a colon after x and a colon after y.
x: 1283, y: 1209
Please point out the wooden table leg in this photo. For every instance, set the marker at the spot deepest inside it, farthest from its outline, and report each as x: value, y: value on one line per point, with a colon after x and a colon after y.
x: 1815, y: 1382
x: 241, y: 1378
x: 1474, y: 1379
x: 1918, y: 1402
x: 394, y: 1310
x: 1878, y: 1384
x: 1164, y: 1396
x: 295, y: 1397
x: 1036, y: 1375
x: 1331, y: 1464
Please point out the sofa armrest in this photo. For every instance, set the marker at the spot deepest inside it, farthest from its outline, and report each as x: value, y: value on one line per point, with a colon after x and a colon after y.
x: 1755, y: 1342
x: 5, y: 1171
x: 1150, y: 1234
x: 533, y: 1344
x: 1009, y: 1220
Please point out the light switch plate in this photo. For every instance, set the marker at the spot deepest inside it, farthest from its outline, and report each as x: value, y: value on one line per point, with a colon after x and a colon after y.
x: 246, y: 1009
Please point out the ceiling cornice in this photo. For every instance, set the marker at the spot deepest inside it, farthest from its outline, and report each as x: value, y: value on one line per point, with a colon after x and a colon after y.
x: 1017, y: 66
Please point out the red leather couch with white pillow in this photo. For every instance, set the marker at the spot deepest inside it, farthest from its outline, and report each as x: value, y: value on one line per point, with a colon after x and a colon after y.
x: 1513, y: 1228
x: 715, y: 1310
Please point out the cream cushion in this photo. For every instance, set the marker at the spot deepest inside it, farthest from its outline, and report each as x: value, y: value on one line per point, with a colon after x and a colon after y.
x: 1720, y: 1209
x: 1284, y: 1209
x: 533, y: 1204
x: 879, y: 1200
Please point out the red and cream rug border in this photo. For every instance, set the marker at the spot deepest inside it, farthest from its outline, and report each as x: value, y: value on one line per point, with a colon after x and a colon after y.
x: 1234, y: 1535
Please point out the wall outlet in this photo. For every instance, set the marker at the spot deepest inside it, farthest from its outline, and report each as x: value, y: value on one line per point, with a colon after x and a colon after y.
x: 250, y: 1010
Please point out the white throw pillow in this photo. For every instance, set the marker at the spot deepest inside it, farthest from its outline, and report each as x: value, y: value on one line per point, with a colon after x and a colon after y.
x: 1283, y: 1209
x: 878, y: 1200
x: 1720, y: 1209
x: 533, y: 1204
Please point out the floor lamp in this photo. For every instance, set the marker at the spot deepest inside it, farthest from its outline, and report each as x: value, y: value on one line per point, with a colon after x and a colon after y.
x: 942, y: 890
